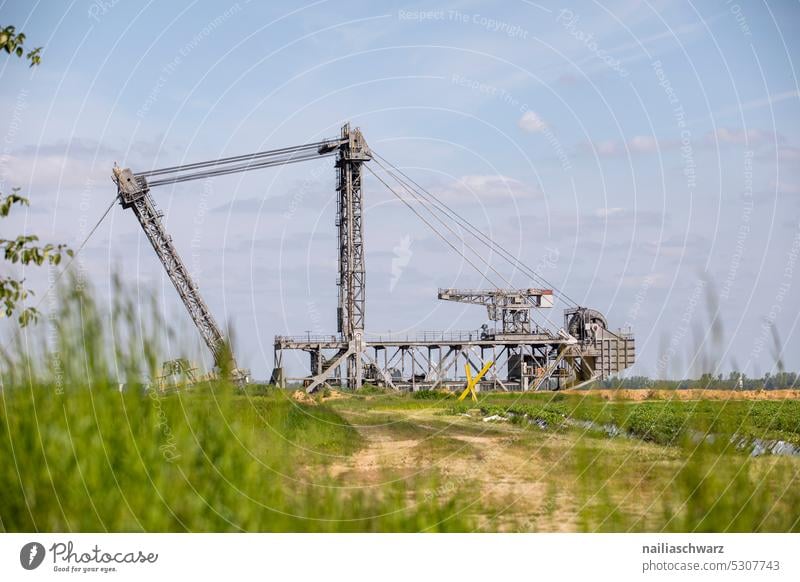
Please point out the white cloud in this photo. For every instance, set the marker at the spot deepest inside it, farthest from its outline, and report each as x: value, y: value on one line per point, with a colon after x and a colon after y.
x: 789, y: 154
x: 72, y: 164
x: 487, y: 186
x: 751, y: 137
x: 640, y: 144
x: 784, y: 187
x: 53, y: 172
x: 643, y: 144
x: 649, y: 144
x: 608, y: 147
x: 606, y: 212
x: 645, y: 281
x: 682, y: 246
x: 532, y: 122
x: 755, y: 104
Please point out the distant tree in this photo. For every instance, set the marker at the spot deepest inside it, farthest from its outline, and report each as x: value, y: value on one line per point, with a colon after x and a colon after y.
x: 706, y: 380
x: 22, y: 249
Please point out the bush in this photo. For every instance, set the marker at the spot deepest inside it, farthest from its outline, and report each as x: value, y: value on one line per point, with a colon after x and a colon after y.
x: 370, y: 390
x: 432, y: 395
x: 656, y: 422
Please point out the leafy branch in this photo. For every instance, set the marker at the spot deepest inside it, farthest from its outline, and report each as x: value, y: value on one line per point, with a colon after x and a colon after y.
x: 23, y: 250
x: 12, y: 42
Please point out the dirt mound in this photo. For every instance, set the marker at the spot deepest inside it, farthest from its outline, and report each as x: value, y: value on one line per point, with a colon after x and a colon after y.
x: 303, y: 397
x: 692, y: 394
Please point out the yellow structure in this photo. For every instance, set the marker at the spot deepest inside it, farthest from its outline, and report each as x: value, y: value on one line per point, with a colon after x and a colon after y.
x: 472, y: 382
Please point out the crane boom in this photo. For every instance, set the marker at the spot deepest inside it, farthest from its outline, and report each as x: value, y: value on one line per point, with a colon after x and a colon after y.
x: 510, y: 306
x: 134, y: 193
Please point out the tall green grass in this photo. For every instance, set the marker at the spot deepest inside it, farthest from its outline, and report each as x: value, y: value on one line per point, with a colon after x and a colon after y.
x: 707, y: 488
x: 78, y: 454
x: 716, y: 491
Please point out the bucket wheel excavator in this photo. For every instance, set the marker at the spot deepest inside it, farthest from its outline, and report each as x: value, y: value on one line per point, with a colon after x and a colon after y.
x: 534, y: 356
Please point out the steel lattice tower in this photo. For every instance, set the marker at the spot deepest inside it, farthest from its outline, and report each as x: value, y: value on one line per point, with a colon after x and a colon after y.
x: 352, y: 273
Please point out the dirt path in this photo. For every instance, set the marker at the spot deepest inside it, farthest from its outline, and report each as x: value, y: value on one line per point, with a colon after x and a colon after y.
x: 500, y: 466
x: 520, y: 478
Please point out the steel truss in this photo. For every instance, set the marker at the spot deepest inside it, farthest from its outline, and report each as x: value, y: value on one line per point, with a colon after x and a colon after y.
x: 435, y: 360
x: 526, y: 356
x: 134, y: 193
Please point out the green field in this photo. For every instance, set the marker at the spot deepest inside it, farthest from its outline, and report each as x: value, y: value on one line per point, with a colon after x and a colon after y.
x: 79, y: 455
x: 206, y: 460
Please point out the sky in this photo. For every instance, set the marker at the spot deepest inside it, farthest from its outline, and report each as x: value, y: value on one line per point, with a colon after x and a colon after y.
x: 641, y: 156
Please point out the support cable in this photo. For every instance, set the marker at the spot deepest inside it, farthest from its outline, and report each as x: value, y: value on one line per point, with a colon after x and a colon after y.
x: 236, y: 169
x: 233, y: 159
x: 432, y: 227
x: 425, y: 204
x: 467, y: 225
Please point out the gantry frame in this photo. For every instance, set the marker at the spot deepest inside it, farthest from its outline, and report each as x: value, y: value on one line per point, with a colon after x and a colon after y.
x: 133, y: 191
x: 525, y: 356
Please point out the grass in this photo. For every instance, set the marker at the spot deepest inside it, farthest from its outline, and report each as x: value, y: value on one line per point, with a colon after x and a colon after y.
x: 660, y: 421
x: 97, y: 461
x: 714, y: 490
x: 82, y: 456
x: 79, y: 455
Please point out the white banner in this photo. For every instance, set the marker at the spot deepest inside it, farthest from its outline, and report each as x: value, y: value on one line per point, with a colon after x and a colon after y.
x: 401, y: 557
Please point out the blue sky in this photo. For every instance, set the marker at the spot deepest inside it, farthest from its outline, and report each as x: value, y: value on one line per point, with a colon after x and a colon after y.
x: 642, y: 155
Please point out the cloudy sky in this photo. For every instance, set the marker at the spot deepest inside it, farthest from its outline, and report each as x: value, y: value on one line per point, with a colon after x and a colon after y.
x: 642, y: 156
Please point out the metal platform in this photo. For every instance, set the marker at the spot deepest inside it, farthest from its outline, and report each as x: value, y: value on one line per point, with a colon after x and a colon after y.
x: 539, y: 360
